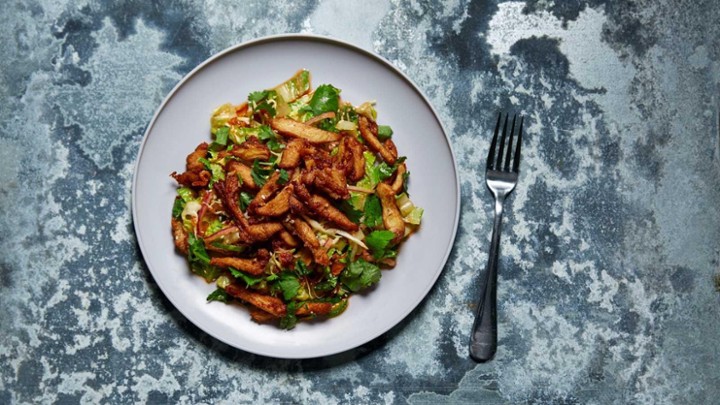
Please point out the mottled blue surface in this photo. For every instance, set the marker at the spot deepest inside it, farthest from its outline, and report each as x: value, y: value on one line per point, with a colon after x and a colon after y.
x: 610, y: 250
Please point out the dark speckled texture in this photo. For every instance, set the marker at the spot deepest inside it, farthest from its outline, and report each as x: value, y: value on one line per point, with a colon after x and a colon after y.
x: 611, y: 244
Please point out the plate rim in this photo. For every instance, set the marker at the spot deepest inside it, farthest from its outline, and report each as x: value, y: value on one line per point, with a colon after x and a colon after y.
x: 313, y: 38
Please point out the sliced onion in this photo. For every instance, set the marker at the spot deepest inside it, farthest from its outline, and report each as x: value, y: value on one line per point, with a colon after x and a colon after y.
x: 351, y: 238
x: 318, y: 227
x: 360, y: 189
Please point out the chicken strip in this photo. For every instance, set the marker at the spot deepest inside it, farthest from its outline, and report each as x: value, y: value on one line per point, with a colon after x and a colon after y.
x: 333, y: 182
x: 263, y: 231
x: 279, y: 205
x: 267, y: 303
x: 314, y: 308
x: 307, y: 235
x: 287, y: 238
x: 324, y: 209
x: 292, y: 153
x: 392, y: 219
x: 297, y: 129
x: 193, y: 179
x: 368, y: 130
x: 251, y: 149
x: 180, y: 236
x: 270, y: 187
x: 253, y: 267
x: 260, y: 316
x: 228, y: 193
x: 397, y: 184
x: 356, y: 170
x: 245, y: 174
x: 192, y: 162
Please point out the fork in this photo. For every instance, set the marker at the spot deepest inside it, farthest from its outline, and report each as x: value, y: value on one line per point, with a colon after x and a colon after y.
x: 501, y: 178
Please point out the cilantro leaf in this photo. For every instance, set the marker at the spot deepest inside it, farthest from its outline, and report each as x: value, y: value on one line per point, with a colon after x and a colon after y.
x: 378, y: 241
x: 200, y: 260
x: 289, y: 320
x: 385, y: 171
x: 301, y: 268
x: 360, y: 275
x: 350, y: 211
x: 284, y: 177
x: 263, y: 100
x: 328, y: 124
x: 178, y: 207
x: 196, y: 251
x: 259, y: 175
x: 373, y: 211
x: 326, y: 285
x: 245, y: 199
x: 406, y: 180
x: 219, y: 295
x: 267, y: 135
x: 326, y: 98
x: 289, y: 285
x: 249, y: 280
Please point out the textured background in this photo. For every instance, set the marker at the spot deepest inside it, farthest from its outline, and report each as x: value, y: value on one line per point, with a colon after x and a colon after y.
x: 607, y: 290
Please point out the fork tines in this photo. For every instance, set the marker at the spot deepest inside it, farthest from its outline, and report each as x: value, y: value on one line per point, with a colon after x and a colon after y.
x: 495, y: 160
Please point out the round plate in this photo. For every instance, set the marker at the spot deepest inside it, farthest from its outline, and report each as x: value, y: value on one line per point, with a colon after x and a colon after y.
x: 183, y: 121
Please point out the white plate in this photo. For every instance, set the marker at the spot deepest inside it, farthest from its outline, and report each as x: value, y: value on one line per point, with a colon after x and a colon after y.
x: 182, y: 122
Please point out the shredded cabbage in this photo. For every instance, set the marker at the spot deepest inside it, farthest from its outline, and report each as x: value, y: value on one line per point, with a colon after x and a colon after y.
x: 221, y: 116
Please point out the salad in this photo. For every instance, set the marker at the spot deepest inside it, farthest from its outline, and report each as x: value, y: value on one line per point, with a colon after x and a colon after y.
x: 298, y: 202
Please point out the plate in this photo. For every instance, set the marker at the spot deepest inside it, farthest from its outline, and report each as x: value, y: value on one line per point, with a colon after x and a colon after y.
x: 183, y: 120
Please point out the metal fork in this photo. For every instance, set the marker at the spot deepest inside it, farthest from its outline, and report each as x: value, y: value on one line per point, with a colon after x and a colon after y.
x: 501, y: 177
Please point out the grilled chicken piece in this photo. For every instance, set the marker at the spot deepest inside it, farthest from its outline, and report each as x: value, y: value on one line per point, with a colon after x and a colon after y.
x: 314, y: 308
x: 279, y: 205
x: 321, y: 207
x: 260, y: 316
x: 195, y: 173
x: 245, y: 174
x: 267, y: 303
x: 368, y: 130
x: 392, y: 219
x: 297, y: 129
x: 292, y: 153
x: 356, y: 169
x: 266, y: 191
x: 397, y: 184
x: 251, y: 149
x: 307, y: 235
x: 333, y: 182
x: 180, y: 236
x: 253, y: 267
x: 263, y: 231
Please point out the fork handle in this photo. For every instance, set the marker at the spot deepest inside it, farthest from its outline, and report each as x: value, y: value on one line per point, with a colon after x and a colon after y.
x: 483, y: 340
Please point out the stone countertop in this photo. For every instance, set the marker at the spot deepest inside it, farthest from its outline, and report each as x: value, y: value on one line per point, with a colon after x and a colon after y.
x: 608, y: 289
